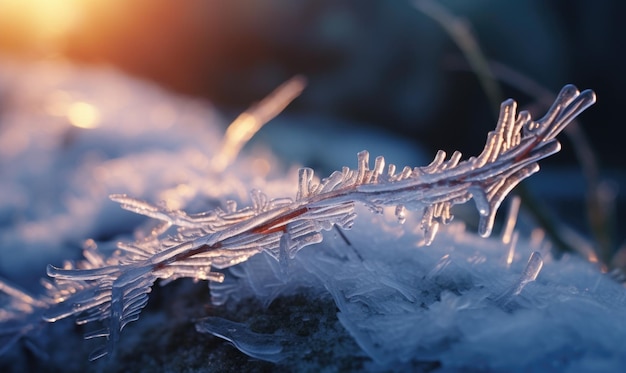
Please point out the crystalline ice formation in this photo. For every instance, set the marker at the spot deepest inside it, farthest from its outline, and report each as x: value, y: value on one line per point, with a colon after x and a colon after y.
x: 439, y: 303
x: 114, y: 288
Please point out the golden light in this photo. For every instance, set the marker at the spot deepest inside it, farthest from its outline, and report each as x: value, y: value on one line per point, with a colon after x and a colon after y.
x: 241, y: 130
x: 511, y: 253
x: 83, y: 115
x: 38, y: 23
x: 177, y: 197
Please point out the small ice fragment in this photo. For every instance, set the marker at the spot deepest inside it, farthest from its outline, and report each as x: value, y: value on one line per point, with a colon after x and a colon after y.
x: 480, y: 199
x: 266, y: 347
x: 511, y: 219
x: 283, y: 256
x: 379, y: 165
x: 439, y: 267
x: 430, y: 231
x: 401, y: 213
x: 535, y: 263
x: 511, y: 252
x: 530, y: 273
x: 305, y: 176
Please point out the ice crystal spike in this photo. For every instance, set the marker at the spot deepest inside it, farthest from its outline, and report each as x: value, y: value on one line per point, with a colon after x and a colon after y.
x: 530, y: 273
x: 20, y: 317
x: 114, y: 288
x: 533, y: 267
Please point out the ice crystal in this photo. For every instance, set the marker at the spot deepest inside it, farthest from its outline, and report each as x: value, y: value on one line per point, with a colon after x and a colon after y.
x: 114, y: 288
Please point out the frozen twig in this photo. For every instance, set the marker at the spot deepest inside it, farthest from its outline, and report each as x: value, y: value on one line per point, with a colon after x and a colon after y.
x: 114, y: 289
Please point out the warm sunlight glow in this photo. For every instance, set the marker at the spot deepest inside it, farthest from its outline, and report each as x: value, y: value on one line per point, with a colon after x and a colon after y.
x: 241, y: 130
x: 38, y: 22
x: 83, y: 115
x: 176, y: 198
x: 511, y: 253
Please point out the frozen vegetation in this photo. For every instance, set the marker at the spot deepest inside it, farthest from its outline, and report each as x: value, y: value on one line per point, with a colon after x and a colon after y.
x: 411, y: 287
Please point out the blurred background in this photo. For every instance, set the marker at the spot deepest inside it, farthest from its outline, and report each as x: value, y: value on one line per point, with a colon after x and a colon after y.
x: 429, y: 72
x: 379, y: 63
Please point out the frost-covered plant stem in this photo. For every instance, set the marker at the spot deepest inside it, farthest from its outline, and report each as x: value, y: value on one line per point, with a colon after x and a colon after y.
x: 115, y: 288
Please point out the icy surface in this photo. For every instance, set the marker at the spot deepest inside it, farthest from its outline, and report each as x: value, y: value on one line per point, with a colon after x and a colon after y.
x: 464, y: 301
x: 456, y: 301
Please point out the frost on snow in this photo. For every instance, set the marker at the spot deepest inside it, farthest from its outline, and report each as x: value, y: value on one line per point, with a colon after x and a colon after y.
x: 451, y: 302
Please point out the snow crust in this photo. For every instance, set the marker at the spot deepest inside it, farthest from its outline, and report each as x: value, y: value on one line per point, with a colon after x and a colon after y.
x: 459, y: 301
x: 454, y: 301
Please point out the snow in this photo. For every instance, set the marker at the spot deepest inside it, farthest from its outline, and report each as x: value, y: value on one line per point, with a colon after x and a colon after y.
x: 456, y: 301
x: 464, y: 301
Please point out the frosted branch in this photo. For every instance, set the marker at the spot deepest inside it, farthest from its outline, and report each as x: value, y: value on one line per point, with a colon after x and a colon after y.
x: 114, y: 289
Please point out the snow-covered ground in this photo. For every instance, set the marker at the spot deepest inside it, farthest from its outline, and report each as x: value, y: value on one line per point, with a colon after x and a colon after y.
x: 71, y: 136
